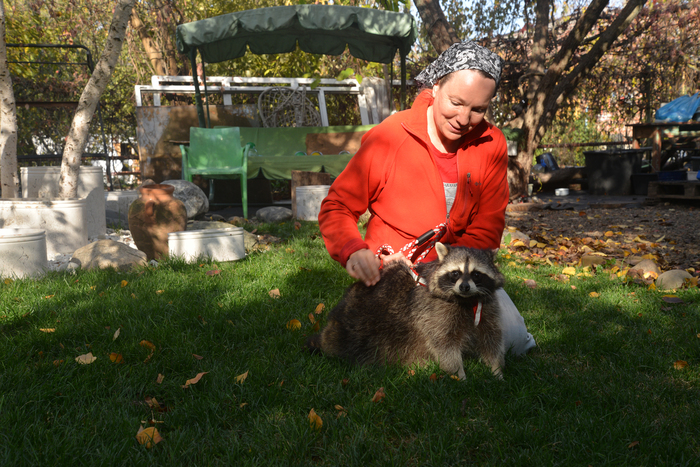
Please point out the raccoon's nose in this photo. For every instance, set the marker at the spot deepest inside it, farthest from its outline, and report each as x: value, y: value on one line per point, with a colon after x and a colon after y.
x: 464, y: 287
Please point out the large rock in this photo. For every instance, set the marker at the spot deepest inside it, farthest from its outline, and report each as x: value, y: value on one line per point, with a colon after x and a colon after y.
x: 104, y: 254
x: 672, y: 279
x: 272, y: 214
x: 647, y: 265
x: 196, y: 202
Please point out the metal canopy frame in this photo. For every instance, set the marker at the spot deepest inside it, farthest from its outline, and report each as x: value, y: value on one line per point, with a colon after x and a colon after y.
x: 225, y: 30
x: 63, y: 104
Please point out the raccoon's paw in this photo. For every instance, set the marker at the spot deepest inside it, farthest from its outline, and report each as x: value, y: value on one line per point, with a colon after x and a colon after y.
x: 461, y: 374
x: 496, y: 371
x: 313, y: 343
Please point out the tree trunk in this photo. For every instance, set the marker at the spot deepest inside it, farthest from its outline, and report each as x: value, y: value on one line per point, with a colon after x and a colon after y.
x: 164, y: 62
x: 440, y: 32
x: 80, y: 127
x: 8, y: 121
x: 155, y: 57
x: 556, y: 86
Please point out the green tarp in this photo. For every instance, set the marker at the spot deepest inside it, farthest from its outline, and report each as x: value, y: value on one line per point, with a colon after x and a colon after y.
x: 373, y: 35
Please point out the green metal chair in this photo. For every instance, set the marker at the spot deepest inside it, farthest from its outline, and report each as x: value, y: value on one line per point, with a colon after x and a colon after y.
x: 216, y: 153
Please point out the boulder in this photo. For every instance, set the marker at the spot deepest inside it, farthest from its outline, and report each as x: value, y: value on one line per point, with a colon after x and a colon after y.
x: 672, y: 279
x: 104, y: 254
x: 647, y: 265
x: 273, y: 214
x: 196, y: 202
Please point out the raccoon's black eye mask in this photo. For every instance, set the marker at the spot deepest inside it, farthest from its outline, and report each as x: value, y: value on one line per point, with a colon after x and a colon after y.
x: 455, y: 275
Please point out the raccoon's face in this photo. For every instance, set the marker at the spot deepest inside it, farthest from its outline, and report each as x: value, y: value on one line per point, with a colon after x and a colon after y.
x: 465, y: 272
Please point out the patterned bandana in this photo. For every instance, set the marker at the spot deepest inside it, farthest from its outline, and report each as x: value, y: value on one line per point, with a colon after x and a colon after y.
x: 465, y: 55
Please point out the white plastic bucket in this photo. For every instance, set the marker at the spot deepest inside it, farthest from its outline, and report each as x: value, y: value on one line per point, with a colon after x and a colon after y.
x: 308, y: 199
x: 217, y: 244
x: 22, y: 252
x: 42, y: 182
x: 62, y: 219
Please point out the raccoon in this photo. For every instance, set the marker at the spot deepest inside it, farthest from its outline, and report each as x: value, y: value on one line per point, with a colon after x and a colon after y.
x: 400, y: 321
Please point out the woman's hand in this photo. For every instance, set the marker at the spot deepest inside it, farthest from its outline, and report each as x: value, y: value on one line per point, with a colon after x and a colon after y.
x: 387, y: 259
x: 364, y: 266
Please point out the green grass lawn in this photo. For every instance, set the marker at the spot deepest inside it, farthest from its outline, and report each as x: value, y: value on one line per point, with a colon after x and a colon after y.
x: 600, y: 389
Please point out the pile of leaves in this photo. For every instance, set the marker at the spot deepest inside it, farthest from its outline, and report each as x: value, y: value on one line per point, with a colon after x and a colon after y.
x: 611, y: 240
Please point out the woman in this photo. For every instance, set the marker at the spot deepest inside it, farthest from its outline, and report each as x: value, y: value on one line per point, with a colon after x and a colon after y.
x: 438, y: 168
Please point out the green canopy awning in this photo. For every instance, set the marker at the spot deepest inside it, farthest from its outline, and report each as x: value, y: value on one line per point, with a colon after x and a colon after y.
x: 369, y: 34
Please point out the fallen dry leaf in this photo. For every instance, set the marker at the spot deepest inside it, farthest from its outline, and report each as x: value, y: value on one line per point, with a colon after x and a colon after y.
x: 379, y: 395
x: 319, y: 308
x: 124, y: 283
x: 569, y: 271
x: 316, y: 327
x: 241, y: 378
x: 148, y: 437
x: 198, y: 357
x: 194, y: 380
x: 274, y: 293
x: 152, y: 402
x: 116, y: 358
x: 85, y: 359
x: 293, y: 324
x: 158, y: 292
x: 531, y: 284
x: 8, y: 281
x: 213, y: 272
x: 47, y: 329
x: 116, y: 334
x: 148, y: 345
x: 594, y: 294
x: 160, y: 378
x: 680, y: 364
x: 633, y: 444
x: 341, y: 411
x: 311, y: 318
x: 315, y: 421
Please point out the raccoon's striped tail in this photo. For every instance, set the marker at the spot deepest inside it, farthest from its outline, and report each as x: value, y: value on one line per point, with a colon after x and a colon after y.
x: 313, y: 343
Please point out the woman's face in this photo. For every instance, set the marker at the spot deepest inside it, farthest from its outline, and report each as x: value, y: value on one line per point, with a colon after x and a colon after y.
x: 460, y: 103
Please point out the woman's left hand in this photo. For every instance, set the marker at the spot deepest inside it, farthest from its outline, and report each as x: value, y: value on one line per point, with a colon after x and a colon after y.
x: 388, y: 259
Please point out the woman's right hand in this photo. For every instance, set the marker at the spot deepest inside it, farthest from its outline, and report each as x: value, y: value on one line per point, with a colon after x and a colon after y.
x: 364, y: 265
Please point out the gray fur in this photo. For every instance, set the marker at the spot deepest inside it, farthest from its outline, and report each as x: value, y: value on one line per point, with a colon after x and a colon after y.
x: 397, y: 321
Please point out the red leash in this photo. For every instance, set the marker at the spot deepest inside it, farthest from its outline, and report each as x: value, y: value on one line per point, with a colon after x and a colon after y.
x: 410, y: 248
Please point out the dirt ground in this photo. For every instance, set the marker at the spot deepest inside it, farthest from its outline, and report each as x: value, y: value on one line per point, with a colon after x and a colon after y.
x: 673, y: 229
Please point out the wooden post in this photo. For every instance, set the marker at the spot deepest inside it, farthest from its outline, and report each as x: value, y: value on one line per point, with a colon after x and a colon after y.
x: 301, y: 178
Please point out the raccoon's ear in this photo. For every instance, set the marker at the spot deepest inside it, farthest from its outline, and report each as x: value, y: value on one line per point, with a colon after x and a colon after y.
x: 442, y: 250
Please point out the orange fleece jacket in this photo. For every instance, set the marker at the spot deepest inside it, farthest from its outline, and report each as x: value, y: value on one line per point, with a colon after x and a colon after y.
x: 394, y: 175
